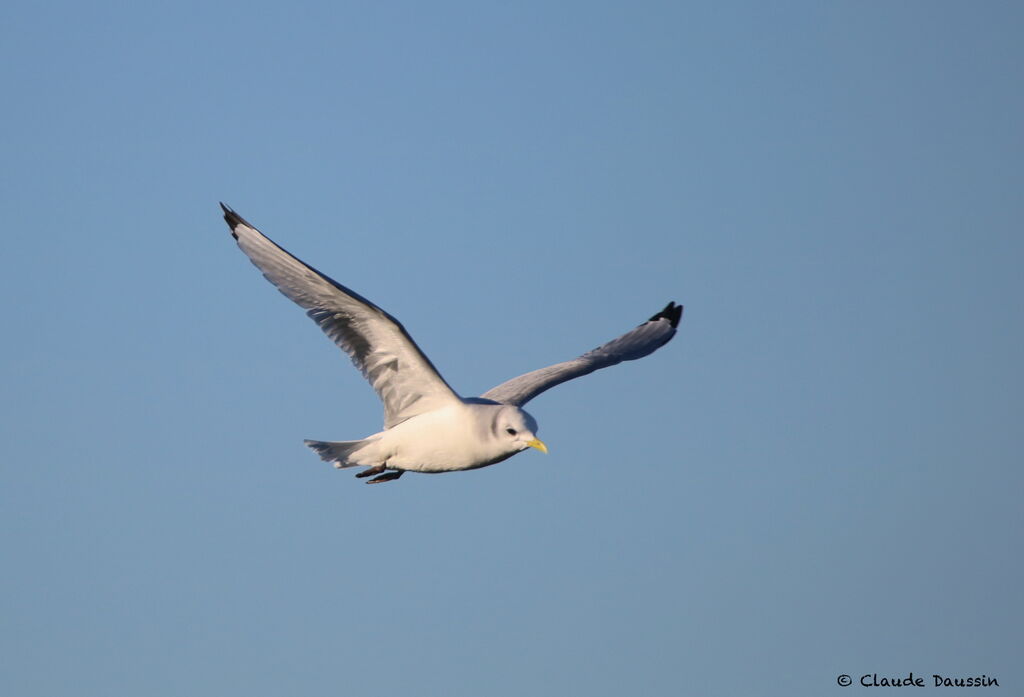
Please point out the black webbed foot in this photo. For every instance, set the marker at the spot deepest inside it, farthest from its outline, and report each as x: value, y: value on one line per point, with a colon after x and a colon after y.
x: 387, y: 477
x: 370, y: 472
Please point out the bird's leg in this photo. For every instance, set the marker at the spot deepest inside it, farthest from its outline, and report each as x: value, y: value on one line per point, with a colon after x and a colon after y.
x: 387, y: 477
x: 368, y: 472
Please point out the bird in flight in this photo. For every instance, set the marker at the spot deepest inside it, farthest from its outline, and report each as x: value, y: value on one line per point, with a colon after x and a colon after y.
x: 427, y: 426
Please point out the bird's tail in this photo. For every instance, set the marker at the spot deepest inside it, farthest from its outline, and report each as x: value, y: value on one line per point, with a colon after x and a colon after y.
x: 339, y: 453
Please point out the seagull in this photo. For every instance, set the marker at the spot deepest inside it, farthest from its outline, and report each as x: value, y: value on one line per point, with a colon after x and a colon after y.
x: 427, y: 426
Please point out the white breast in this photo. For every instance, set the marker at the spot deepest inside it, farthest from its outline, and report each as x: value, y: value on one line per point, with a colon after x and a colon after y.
x: 457, y: 437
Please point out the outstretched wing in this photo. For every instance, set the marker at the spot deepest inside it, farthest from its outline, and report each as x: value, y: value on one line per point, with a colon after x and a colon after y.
x: 640, y: 342
x: 405, y: 380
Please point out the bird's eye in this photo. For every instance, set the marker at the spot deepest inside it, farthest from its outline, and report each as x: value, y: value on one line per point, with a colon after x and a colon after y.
x: 510, y: 431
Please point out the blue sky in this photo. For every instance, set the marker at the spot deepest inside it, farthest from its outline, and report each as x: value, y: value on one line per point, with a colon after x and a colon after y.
x: 820, y: 475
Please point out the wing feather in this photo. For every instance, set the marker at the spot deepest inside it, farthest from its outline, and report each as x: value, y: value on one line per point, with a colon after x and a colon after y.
x: 637, y: 343
x: 405, y: 380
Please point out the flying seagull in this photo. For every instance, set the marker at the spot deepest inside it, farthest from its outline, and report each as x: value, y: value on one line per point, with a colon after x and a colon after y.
x: 427, y: 426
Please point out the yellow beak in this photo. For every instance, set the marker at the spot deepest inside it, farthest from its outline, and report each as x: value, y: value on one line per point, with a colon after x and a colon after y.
x: 538, y: 444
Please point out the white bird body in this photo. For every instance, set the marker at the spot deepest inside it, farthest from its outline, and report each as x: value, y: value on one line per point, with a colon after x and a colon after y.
x: 427, y: 426
x: 456, y: 437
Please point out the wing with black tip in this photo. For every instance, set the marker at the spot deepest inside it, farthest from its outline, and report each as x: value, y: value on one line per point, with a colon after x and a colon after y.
x: 637, y: 343
x: 404, y: 378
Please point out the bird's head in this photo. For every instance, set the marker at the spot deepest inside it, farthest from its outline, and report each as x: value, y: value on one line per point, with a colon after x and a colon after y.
x: 518, y: 429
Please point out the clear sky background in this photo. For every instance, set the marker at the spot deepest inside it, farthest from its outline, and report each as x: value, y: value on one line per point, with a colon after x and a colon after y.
x: 820, y: 475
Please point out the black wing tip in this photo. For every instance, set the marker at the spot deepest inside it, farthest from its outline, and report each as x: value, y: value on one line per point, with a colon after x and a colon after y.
x: 672, y: 312
x: 233, y: 219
